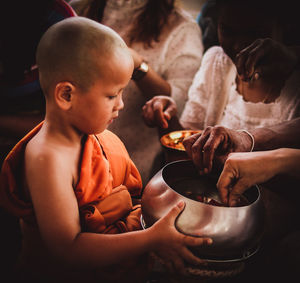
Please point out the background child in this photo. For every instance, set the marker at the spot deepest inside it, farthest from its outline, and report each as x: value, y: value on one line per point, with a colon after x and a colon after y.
x: 70, y: 181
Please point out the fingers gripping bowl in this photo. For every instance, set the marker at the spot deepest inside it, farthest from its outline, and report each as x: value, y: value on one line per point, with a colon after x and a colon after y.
x: 236, y: 231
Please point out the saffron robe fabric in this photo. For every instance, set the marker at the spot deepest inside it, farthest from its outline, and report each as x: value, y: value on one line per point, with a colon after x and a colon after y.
x: 107, y: 181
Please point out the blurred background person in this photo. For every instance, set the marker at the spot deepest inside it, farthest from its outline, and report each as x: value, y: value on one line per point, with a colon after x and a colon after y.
x: 207, y: 20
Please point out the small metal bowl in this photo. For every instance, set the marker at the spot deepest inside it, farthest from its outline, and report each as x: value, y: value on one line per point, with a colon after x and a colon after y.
x: 236, y: 231
x: 173, y: 146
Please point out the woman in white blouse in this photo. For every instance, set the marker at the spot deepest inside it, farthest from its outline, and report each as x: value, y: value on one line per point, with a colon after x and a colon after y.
x: 167, y: 49
x: 250, y: 81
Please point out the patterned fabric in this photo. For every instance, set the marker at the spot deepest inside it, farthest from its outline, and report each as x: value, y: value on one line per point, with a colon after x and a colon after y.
x: 176, y: 57
x: 213, y: 98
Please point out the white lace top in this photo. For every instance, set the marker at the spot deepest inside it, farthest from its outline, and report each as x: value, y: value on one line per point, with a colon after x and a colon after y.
x: 213, y: 99
x: 176, y: 57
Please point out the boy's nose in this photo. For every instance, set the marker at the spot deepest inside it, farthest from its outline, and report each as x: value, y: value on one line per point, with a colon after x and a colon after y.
x: 119, y: 102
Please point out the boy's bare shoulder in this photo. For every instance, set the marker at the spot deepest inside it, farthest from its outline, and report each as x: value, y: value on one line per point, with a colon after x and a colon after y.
x: 40, y: 150
x: 44, y: 157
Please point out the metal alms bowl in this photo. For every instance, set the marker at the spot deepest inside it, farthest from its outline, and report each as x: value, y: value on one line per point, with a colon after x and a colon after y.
x: 236, y: 231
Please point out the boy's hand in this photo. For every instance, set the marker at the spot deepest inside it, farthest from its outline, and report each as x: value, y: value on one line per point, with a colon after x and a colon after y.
x: 158, y: 111
x: 172, y: 246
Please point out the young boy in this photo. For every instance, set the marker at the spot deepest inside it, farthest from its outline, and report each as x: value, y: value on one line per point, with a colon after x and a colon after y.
x: 70, y: 181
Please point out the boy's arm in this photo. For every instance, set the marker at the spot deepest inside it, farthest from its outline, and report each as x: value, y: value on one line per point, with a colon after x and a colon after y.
x: 50, y: 183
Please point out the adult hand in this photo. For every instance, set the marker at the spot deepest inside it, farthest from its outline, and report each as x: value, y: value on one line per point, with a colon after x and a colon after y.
x: 158, y: 111
x: 242, y: 170
x: 172, y: 246
x: 264, y: 66
x: 213, y: 145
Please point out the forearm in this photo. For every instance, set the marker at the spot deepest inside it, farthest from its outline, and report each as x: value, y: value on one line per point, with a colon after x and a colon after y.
x: 286, y: 134
x: 288, y: 161
x: 153, y: 84
x: 93, y: 250
x: 18, y: 125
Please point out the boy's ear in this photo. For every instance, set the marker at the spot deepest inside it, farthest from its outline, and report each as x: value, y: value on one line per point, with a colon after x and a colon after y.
x: 63, y: 95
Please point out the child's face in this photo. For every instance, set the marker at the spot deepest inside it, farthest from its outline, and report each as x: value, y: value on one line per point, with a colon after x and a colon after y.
x: 240, y: 23
x: 100, y: 105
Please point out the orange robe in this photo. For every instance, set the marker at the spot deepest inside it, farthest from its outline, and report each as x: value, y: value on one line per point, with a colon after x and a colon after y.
x: 108, y: 179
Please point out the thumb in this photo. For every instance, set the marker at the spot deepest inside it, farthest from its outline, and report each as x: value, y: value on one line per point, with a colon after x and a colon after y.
x: 224, y: 184
x: 170, y: 112
x: 167, y: 115
x: 163, y: 120
x: 175, y: 211
x: 236, y: 192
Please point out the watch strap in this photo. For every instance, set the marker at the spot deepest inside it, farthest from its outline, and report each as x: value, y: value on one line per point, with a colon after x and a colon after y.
x: 140, y: 71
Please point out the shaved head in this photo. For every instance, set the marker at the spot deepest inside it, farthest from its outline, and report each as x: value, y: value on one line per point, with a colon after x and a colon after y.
x: 76, y: 49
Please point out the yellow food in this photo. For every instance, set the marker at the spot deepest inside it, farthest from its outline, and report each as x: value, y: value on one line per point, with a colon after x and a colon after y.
x: 174, y: 139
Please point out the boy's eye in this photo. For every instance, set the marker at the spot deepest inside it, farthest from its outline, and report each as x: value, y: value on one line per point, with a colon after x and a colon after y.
x: 116, y: 94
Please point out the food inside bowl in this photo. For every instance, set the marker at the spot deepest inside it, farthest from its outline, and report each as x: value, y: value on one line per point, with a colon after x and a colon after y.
x: 174, y: 139
x: 201, y: 189
x: 212, y: 201
x: 202, y: 198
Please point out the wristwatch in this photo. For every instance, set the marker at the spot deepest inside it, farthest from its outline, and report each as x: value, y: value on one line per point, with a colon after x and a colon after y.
x: 140, y: 71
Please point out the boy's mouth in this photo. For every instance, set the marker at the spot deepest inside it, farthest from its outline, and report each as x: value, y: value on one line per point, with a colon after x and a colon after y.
x: 112, y: 119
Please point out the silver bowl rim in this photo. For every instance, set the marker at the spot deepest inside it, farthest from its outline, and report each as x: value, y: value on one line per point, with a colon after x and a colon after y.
x: 199, y: 202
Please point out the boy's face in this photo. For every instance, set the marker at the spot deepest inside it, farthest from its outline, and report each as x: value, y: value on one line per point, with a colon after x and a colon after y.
x: 100, y: 105
x: 240, y: 24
